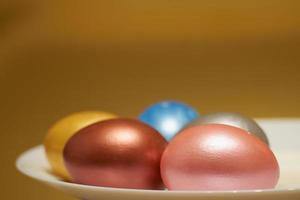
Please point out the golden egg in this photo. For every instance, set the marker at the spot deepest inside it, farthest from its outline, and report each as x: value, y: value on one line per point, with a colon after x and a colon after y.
x: 60, y: 133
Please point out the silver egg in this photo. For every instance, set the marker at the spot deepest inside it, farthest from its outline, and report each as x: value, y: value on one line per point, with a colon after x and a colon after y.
x: 233, y: 119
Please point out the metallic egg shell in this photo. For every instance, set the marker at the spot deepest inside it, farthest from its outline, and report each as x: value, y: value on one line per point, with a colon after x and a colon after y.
x: 232, y: 119
x: 122, y: 153
x: 60, y: 133
x: 168, y: 117
x: 218, y: 157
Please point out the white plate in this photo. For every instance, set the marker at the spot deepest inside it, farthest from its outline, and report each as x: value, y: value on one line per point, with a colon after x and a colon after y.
x: 284, y: 136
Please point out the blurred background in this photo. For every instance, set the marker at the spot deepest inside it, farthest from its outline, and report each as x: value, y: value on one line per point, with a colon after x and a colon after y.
x: 58, y: 57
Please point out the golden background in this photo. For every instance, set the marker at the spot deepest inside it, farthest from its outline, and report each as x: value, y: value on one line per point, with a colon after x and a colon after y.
x: 58, y: 57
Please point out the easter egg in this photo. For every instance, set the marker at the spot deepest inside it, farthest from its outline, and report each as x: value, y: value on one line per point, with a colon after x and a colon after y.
x: 169, y: 117
x: 218, y: 157
x: 121, y: 153
x: 233, y: 119
x: 62, y: 130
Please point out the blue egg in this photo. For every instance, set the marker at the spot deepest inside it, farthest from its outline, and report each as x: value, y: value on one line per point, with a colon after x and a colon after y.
x: 169, y: 117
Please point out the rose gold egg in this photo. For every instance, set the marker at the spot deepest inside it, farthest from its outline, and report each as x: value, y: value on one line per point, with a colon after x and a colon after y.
x: 218, y: 157
x: 123, y: 153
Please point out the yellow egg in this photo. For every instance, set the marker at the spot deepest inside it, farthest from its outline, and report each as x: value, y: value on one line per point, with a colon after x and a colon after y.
x: 60, y: 133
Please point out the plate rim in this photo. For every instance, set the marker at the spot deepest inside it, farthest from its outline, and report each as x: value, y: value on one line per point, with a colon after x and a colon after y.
x: 62, y: 183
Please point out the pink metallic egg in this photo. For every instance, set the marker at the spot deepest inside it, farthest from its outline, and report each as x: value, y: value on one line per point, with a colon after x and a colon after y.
x: 122, y: 153
x: 218, y: 157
